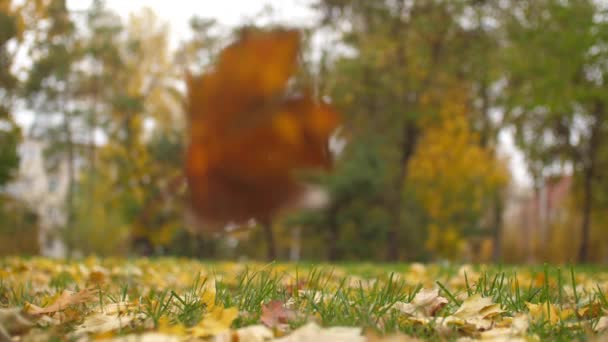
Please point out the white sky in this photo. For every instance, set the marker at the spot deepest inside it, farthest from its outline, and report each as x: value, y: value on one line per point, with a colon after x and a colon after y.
x: 232, y: 12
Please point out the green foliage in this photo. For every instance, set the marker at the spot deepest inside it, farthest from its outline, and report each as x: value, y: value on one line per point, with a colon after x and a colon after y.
x: 424, y: 88
x: 354, y: 225
x: 9, y: 140
x: 99, y: 228
x: 556, y: 94
x: 9, y: 132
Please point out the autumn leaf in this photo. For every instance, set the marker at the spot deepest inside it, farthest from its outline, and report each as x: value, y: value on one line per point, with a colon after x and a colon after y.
x: 66, y: 299
x: 546, y: 311
x: 602, y: 325
x: 475, y: 314
x: 249, y: 131
x: 275, y: 313
x: 146, y: 337
x: 101, y: 323
x: 14, y: 321
x: 515, y: 330
x: 313, y: 332
x: 215, y: 322
x: 426, y: 303
x: 252, y: 333
x: 477, y: 306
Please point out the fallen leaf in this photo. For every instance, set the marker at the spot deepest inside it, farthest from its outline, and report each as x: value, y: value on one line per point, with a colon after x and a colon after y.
x: 275, y: 313
x: 215, y: 322
x: 13, y: 321
x: 372, y: 337
x: 426, y: 303
x: 477, y: 306
x: 516, y: 331
x: 543, y: 311
x: 474, y: 315
x: 101, y: 323
x: 602, y: 325
x: 313, y: 332
x: 66, y: 299
x: 252, y: 333
x: 146, y: 337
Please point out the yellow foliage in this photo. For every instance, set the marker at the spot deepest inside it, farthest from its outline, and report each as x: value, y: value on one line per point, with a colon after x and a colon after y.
x: 446, y: 240
x: 452, y: 175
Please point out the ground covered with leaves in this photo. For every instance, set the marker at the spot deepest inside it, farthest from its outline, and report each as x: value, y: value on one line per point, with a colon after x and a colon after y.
x: 184, y: 300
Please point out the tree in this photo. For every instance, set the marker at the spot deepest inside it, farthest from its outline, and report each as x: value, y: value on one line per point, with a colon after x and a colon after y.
x: 454, y: 178
x: 10, y: 32
x: 49, y: 89
x: 557, y: 99
x: 138, y: 104
x: 400, y: 53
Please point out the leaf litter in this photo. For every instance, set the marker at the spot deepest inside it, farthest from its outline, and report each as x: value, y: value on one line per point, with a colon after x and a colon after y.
x: 186, y: 300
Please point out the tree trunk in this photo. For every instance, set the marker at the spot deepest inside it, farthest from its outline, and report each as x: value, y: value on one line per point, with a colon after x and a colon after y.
x: 583, y: 251
x: 410, y: 137
x: 334, y: 234
x: 498, y: 210
x: 71, y: 174
x: 271, y: 250
x: 589, y: 171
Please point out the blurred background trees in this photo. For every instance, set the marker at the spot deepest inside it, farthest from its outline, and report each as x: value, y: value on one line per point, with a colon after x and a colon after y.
x: 426, y: 90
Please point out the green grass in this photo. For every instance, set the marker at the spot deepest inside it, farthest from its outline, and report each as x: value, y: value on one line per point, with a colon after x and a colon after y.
x: 170, y: 292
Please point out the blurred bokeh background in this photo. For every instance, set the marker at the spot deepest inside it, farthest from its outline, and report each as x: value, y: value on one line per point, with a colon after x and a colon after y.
x: 473, y: 130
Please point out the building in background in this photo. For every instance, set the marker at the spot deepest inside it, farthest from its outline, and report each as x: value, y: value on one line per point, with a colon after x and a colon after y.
x: 531, y: 214
x: 44, y: 193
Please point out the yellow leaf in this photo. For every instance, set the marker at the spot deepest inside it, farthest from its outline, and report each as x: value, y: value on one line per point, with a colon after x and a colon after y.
x: 477, y: 306
x: 165, y: 327
x: 543, y: 311
x: 215, y: 322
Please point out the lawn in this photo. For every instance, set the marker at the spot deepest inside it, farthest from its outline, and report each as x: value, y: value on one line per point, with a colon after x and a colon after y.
x: 180, y: 299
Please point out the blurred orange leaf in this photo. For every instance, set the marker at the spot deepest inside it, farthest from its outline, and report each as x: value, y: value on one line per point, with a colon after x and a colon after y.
x: 249, y: 130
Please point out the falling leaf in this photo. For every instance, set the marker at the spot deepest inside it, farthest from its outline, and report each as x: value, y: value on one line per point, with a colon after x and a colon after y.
x: 66, y: 299
x: 275, y: 313
x: 244, y: 104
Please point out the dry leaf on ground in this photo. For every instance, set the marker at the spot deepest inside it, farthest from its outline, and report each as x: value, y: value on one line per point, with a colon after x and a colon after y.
x: 66, y: 299
x: 313, y: 332
x: 215, y: 322
x: 426, y: 303
x: 274, y: 314
x: 14, y: 321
